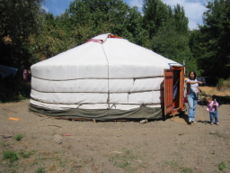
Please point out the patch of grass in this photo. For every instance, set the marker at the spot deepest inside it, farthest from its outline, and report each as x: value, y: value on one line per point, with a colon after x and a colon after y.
x: 222, y: 166
x: 40, y: 170
x: 226, y: 83
x: 2, y: 144
x: 177, y: 168
x: 10, y: 155
x: 20, y: 97
x: 186, y: 170
x: 62, y: 162
x: 220, y: 83
x: 217, y: 134
x: 25, y: 154
x: 125, y: 160
x: 9, y: 171
x: 75, y: 168
x: 18, y: 137
x: 223, y: 84
x: 173, y: 165
x: 13, y: 171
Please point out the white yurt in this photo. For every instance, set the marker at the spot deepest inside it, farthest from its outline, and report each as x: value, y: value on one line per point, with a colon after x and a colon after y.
x: 105, y: 78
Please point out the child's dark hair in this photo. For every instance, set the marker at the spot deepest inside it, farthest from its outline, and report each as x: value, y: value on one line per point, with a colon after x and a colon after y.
x: 193, y: 73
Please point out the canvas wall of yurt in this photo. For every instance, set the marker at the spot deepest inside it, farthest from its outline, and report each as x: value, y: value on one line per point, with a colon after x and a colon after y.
x: 105, y: 78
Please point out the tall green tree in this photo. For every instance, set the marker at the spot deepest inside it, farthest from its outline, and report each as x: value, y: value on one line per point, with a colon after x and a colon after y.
x: 196, y: 48
x: 18, y: 20
x: 93, y: 17
x: 54, y: 37
x: 180, y: 20
x: 214, y: 40
x: 83, y: 20
x: 156, y: 13
x: 168, y: 32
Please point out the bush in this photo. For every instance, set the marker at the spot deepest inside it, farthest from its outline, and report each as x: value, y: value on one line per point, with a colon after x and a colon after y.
x: 40, y: 170
x: 220, y: 83
x: 13, y: 89
x: 10, y: 155
x: 18, y: 137
x: 223, y: 84
x: 222, y: 166
x: 226, y: 83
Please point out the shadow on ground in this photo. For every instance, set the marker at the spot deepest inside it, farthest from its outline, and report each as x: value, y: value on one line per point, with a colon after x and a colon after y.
x: 220, y: 99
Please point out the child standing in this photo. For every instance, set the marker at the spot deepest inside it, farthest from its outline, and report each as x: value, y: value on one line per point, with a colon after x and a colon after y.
x: 212, y: 109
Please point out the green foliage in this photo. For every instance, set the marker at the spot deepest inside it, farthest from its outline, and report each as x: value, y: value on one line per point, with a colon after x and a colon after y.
x: 220, y: 83
x: 18, y: 20
x: 92, y: 17
x: 177, y: 168
x: 14, y: 89
x: 28, y: 34
x: 196, y: 49
x: 25, y: 154
x: 170, y: 44
x: 226, y: 83
x: 156, y: 13
x: 8, y: 89
x: 180, y: 21
x: 168, y: 32
x: 87, y: 18
x: 186, y: 170
x: 125, y: 160
x: 212, y: 50
x: 40, y: 170
x: 83, y: 20
x: 10, y: 155
x: 222, y: 166
x: 18, y: 137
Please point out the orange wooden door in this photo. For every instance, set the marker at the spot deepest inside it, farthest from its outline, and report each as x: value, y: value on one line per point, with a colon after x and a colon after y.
x: 168, y: 91
x: 181, y: 87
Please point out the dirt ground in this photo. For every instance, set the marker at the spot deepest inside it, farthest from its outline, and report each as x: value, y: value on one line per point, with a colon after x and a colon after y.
x: 31, y: 143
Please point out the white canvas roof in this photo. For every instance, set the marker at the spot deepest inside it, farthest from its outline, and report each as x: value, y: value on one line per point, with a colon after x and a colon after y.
x: 103, y: 71
x: 92, y: 59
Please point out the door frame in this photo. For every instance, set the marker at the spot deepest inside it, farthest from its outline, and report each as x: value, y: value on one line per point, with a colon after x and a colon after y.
x: 169, y: 104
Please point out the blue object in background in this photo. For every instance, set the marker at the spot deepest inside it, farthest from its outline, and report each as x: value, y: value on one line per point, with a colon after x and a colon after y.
x: 6, y: 71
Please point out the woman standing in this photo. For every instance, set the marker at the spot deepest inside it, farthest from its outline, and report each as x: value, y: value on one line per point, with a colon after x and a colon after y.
x: 192, y: 92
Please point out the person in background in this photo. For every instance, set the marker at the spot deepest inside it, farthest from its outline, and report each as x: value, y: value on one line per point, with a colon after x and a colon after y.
x: 26, y: 75
x: 212, y: 109
x: 192, y: 95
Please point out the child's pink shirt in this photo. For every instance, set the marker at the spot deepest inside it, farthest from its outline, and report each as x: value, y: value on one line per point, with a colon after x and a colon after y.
x: 212, y: 106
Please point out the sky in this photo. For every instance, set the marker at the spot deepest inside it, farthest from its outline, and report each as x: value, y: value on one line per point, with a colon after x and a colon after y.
x: 194, y: 9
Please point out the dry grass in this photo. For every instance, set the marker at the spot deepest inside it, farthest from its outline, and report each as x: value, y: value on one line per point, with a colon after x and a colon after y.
x: 214, y: 91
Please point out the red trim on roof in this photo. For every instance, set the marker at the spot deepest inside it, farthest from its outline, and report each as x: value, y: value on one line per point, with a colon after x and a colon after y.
x: 113, y: 36
x: 96, y: 40
x: 102, y: 41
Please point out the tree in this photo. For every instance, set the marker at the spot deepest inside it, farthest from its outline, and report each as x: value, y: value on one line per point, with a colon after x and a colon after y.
x: 156, y: 13
x: 214, y: 39
x: 196, y: 48
x: 54, y: 37
x: 180, y: 20
x: 18, y: 20
x: 92, y: 17
x: 168, y: 32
